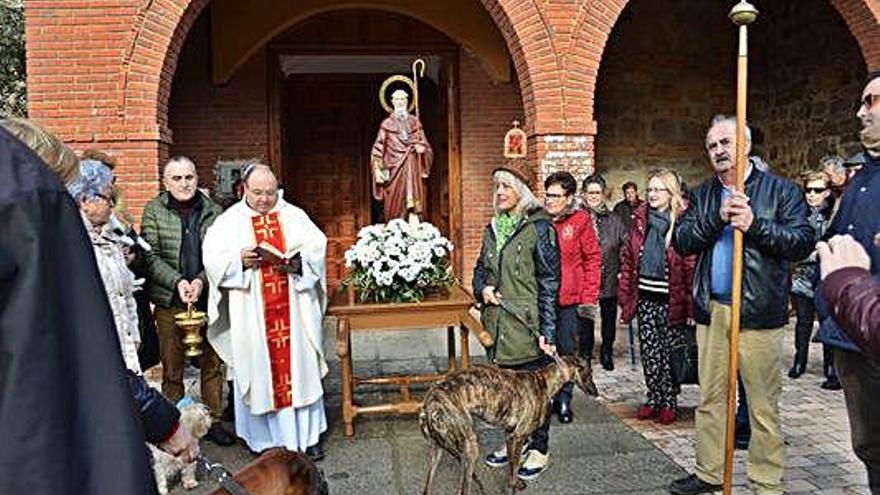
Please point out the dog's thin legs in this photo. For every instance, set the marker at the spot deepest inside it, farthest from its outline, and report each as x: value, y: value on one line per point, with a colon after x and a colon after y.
x: 469, y: 453
x: 478, y: 482
x: 434, y: 456
x: 514, y: 448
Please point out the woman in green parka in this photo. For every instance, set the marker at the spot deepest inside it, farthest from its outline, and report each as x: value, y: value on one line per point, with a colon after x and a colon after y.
x: 516, y: 279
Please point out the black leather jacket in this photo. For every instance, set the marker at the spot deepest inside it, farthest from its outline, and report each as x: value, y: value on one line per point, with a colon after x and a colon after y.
x: 779, y: 235
x: 158, y: 415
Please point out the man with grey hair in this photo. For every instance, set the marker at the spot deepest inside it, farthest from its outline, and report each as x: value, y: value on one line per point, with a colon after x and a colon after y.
x: 174, y: 224
x: 772, y: 215
x: 833, y: 166
x: 401, y: 161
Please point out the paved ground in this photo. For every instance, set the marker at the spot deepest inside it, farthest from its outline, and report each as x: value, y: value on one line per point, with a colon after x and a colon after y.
x: 605, y: 450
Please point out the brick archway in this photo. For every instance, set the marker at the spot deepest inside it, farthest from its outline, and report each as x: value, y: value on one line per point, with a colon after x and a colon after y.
x: 596, y: 20
x: 162, y: 28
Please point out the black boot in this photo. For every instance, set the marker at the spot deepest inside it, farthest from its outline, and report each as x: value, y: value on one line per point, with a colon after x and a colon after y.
x: 218, y: 435
x: 606, y: 358
x: 831, y: 382
x: 315, y: 452
x: 797, y: 369
x: 692, y: 485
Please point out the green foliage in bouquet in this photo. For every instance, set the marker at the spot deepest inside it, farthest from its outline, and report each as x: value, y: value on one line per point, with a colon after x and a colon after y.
x: 397, y: 262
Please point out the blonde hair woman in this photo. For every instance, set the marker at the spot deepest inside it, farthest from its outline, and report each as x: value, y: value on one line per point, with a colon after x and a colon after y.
x: 655, y: 286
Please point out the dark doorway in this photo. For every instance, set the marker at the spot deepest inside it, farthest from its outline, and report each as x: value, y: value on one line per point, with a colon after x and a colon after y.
x: 329, y: 123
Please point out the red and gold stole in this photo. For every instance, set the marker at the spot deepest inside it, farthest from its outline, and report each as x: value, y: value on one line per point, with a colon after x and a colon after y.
x: 276, y: 309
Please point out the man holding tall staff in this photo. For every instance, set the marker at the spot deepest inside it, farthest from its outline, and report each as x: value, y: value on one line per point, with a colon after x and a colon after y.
x: 772, y: 216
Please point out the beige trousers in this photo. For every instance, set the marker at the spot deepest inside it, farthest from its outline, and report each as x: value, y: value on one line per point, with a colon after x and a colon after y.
x: 760, y: 366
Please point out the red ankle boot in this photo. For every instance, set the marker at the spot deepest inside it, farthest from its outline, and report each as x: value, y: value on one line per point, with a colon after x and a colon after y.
x: 647, y: 412
x: 667, y: 416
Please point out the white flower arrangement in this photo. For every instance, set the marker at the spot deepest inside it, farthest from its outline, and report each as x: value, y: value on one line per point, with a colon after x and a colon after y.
x: 398, y: 262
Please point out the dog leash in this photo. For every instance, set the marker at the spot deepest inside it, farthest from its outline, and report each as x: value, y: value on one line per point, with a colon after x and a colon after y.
x: 222, y: 476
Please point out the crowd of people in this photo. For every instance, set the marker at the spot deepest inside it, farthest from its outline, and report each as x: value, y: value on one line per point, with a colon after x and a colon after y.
x: 546, y: 272
x: 545, y: 275
x: 264, y: 316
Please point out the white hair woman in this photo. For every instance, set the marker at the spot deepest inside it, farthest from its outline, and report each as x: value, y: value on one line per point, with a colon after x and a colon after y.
x: 516, y: 279
x: 92, y: 191
x: 655, y: 285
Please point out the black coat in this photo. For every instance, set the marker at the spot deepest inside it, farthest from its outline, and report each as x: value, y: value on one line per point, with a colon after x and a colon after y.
x: 612, y: 237
x: 68, y: 418
x: 779, y: 235
x: 859, y: 216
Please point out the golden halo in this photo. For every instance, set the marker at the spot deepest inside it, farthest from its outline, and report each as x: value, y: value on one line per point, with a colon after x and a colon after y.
x: 397, y: 78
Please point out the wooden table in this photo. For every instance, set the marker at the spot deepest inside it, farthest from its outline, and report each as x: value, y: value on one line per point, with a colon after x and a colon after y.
x: 450, y: 312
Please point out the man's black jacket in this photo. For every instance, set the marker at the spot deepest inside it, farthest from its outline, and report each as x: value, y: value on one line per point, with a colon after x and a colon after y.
x: 779, y: 235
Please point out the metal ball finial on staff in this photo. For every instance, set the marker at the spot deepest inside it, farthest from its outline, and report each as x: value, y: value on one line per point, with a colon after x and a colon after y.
x: 742, y: 14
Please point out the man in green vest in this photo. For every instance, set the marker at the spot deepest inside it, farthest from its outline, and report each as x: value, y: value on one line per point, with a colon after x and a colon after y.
x: 174, y: 224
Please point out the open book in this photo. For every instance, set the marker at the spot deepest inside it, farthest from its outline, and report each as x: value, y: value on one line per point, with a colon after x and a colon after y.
x: 290, y: 261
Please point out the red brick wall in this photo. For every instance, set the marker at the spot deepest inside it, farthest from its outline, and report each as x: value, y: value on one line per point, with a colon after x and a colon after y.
x: 211, y: 123
x: 101, y: 71
x: 486, y: 112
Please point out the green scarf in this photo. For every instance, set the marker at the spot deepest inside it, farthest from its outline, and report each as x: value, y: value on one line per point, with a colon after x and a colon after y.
x: 505, y: 223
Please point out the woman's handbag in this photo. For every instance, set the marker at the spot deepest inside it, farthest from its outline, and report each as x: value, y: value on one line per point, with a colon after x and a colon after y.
x: 683, y: 357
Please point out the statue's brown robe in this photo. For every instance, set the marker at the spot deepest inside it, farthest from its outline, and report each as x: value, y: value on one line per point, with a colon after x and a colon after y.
x: 404, y: 191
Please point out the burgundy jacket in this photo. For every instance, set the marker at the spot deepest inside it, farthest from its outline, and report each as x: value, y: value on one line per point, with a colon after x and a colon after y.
x: 853, y: 295
x: 680, y: 270
x: 581, y: 258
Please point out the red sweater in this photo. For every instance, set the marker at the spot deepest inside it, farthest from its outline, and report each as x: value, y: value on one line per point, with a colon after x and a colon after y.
x: 581, y: 258
x: 680, y: 270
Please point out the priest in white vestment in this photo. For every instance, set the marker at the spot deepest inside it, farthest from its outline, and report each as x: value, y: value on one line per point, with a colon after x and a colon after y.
x: 264, y: 317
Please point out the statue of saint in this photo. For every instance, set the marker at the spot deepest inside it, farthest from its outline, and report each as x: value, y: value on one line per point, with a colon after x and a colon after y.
x: 401, y: 161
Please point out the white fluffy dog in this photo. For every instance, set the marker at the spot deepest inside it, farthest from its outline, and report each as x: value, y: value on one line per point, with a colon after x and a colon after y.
x: 197, y: 419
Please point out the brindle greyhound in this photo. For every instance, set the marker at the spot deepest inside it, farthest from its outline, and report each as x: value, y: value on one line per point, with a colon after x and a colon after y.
x: 516, y: 401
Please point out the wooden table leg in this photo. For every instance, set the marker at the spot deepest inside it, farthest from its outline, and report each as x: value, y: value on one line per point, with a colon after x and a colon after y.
x: 465, y: 347
x: 450, y: 344
x: 343, y: 348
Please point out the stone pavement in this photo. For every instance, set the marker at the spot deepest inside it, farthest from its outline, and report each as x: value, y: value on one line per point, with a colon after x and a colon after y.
x: 605, y: 450
x: 815, y: 427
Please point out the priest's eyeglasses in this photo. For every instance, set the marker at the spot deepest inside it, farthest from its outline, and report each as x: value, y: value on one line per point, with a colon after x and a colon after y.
x: 869, y: 101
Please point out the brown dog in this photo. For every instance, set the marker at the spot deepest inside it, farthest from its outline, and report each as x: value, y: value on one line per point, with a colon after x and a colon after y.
x: 516, y: 401
x: 280, y: 472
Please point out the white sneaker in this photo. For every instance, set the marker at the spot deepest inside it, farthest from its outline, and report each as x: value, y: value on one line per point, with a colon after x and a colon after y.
x: 535, y: 463
x: 499, y: 457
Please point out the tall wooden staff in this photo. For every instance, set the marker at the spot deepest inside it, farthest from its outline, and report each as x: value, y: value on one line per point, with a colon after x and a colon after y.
x: 742, y: 15
x: 416, y: 65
